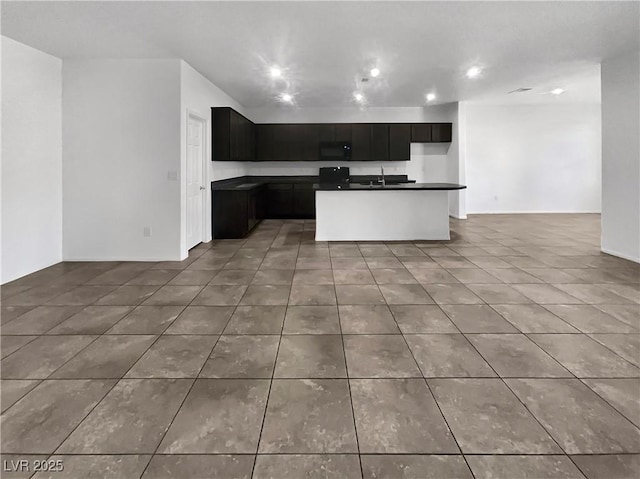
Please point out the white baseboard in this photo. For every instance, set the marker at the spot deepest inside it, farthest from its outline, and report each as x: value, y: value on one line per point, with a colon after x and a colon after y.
x: 533, y: 212
x: 118, y: 258
x: 620, y: 255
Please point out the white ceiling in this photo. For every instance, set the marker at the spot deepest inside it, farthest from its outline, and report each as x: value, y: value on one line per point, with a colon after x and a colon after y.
x: 327, y: 47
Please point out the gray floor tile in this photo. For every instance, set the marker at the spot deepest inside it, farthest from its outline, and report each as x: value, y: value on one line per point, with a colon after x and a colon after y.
x: 516, y: 356
x: 312, y: 295
x: 192, y: 278
x: 256, y: 320
x: 545, y: 294
x: 309, y: 416
x: 588, y: 319
x: 92, y: 320
x: 218, y: 416
x: 367, y: 319
x: 266, y: 294
x: 173, y: 296
x: 41, y: 357
x: 359, y: 294
x: 422, y: 319
x: 97, y: 467
x: 109, y: 356
x: 244, y: 356
x: 474, y: 406
x: 313, y: 276
x: 11, y: 390
x: 54, y: 407
x: 498, y: 294
x: 399, y: 416
x: 576, y: 417
x: 624, y: 345
x: 379, y: 356
x: 128, y: 295
x: 477, y: 319
x: 10, y: 344
x: 414, y: 467
x: 584, y: 357
x: 447, y: 355
x: 533, y: 318
x: 622, y: 394
x: 352, y: 276
x: 451, y: 294
x: 393, y: 276
x: 311, y: 320
x: 147, y: 320
x: 153, y: 277
x: 81, y: 296
x: 199, y: 466
x: 273, y: 276
x: 233, y: 277
x: 609, y: 467
x: 405, y: 294
x: 312, y: 466
x: 520, y: 467
x: 201, y: 320
x: 131, y: 419
x: 220, y: 295
x: 311, y: 356
x: 39, y: 320
x: 174, y: 356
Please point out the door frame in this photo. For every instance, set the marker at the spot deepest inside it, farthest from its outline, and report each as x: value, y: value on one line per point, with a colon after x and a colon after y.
x: 193, y: 114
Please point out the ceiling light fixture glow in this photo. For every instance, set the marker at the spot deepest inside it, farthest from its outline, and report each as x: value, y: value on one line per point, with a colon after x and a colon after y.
x: 473, y: 72
x: 375, y: 72
x: 431, y: 96
x: 557, y: 91
x: 275, y: 72
x: 286, y: 97
x: 358, y: 96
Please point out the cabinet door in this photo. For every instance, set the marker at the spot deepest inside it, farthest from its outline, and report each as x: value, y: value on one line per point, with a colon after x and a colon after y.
x: 279, y: 200
x: 295, y: 140
x: 360, y: 142
x: 399, y: 142
x: 220, y: 133
x: 379, y: 142
x: 311, y: 142
x: 280, y: 148
x: 342, y: 132
x: 304, y: 201
x: 441, y: 132
x: 234, y: 136
x: 229, y: 214
x: 264, y: 142
x: 327, y: 132
x: 421, y: 132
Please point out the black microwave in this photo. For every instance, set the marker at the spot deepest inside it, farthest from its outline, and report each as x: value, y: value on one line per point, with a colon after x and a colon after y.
x: 335, y: 150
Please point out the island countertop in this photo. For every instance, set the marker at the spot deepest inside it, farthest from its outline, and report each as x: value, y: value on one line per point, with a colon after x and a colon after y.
x: 402, y: 186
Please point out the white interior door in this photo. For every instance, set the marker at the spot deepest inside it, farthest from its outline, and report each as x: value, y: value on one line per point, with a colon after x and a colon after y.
x: 195, y: 180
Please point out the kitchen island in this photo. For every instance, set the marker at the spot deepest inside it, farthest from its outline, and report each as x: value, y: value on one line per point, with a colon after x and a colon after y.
x: 401, y: 212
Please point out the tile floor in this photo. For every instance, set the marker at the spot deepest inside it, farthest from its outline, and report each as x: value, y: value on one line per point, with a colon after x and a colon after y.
x: 511, y: 351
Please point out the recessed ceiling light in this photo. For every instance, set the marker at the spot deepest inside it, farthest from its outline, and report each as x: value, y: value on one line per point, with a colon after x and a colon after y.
x: 374, y: 72
x: 286, y: 97
x: 473, y: 72
x: 358, y: 96
x: 431, y: 96
x: 557, y: 91
x: 275, y: 72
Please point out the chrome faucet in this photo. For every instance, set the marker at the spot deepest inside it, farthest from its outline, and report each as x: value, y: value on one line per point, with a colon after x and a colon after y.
x: 382, y: 182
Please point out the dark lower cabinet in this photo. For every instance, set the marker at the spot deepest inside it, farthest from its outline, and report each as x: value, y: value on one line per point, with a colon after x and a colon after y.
x: 236, y: 212
x: 399, y: 142
x: 279, y: 200
x: 304, y: 201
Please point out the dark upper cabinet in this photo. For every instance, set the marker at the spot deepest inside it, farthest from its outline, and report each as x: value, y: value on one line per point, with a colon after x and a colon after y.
x: 421, y: 132
x: 343, y: 132
x: 235, y: 138
x: 379, y: 142
x: 399, y: 141
x: 232, y: 136
x: 360, y: 142
x: 326, y: 132
x: 441, y: 132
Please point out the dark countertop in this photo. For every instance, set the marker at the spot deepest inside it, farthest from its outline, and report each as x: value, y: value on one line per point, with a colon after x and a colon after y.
x: 403, y: 186
x: 243, y: 183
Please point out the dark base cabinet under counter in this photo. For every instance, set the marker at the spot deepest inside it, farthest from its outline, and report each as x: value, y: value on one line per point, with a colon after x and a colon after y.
x: 236, y: 212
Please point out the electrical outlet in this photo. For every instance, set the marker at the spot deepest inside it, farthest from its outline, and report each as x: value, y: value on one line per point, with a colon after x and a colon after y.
x: 146, y: 231
x: 172, y: 176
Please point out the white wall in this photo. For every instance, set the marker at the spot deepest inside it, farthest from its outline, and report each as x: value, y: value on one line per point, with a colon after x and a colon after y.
x: 532, y: 158
x: 31, y: 160
x: 198, y: 95
x: 621, y: 156
x: 121, y: 159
